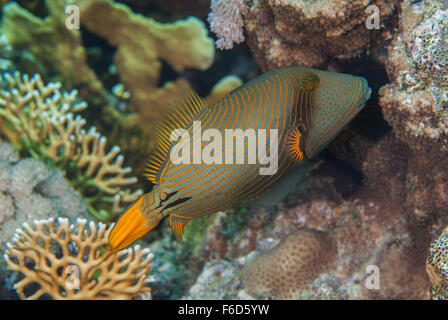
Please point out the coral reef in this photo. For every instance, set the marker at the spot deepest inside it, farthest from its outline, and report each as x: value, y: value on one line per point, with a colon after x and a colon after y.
x: 437, y: 267
x: 66, y: 261
x: 142, y: 44
x: 369, y: 225
x: 429, y: 48
x: 28, y: 190
x: 226, y: 20
x: 51, y: 47
x: 222, y: 87
x: 379, y: 195
x: 387, y: 216
x: 6, y: 53
x: 283, y: 32
x: 219, y: 279
x: 40, y: 120
x: 284, y: 271
x: 197, y: 8
x: 414, y: 103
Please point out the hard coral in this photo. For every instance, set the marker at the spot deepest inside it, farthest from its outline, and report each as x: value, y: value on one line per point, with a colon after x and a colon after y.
x: 66, y: 261
x: 222, y: 87
x: 285, y: 32
x: 39, y: 119
x: 284, y: 271
x: 429, y: 47
x: 226, y: 20
x: 142, y: 43
x: 416, y: 108
x: 6, y: 54
x: 219, y: 279
x: 56, y: 52
x: 48, y: 46
x: 437, y: 267
x: 414, y: 102
x: 28, y: 190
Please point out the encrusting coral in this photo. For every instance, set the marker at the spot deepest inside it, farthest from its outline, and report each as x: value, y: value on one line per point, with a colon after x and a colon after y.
x: 414, y: 102
x: 65, y: 261
x: 429, y: 47
x: 40, y: 119
x: 437, y: 267
x: 284, y: 32
x: 28, y: 190
x: 284, y: 271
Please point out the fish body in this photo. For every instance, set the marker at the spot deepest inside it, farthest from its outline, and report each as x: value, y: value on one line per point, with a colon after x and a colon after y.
x: 203, y: 164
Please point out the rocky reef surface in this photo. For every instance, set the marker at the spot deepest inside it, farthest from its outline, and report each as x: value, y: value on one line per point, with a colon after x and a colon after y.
x: 28, y: 191
x: 284, y: 32
x: 364, y: 223
x: 380, y: 191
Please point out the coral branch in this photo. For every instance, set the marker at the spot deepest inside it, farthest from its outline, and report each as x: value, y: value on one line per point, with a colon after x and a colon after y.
x: 72, y: 262
x: 41, y: 119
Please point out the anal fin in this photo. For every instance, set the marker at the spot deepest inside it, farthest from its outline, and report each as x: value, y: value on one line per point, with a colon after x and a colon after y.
x: 178, y: 224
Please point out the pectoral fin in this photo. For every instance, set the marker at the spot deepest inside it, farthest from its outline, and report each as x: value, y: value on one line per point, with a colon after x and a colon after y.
x: 294, y: 143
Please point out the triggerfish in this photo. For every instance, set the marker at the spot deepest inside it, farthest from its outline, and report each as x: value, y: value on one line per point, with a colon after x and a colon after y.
x: 210, y: 158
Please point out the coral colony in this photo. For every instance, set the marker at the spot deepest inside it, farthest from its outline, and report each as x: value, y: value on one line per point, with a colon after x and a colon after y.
x: 76, y: 250
x: 294, y: 150
x: 41, y: 120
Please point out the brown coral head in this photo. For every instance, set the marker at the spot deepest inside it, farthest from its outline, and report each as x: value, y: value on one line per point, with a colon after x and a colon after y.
x: 62, y: 261
x: 286, y: 270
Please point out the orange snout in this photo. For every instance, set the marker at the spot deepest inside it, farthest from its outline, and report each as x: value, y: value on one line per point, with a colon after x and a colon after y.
x: 130, y: 227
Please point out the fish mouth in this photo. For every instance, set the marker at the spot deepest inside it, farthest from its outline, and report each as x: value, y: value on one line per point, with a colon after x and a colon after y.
x: 369, y: 93
x: 131, y: 226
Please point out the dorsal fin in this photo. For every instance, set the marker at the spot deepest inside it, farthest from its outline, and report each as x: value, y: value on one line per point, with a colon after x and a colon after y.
x: 179, y: 117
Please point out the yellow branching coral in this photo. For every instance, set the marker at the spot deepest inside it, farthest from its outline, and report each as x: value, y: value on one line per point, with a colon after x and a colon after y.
x: 67, y: 261
x: 40, y: 119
